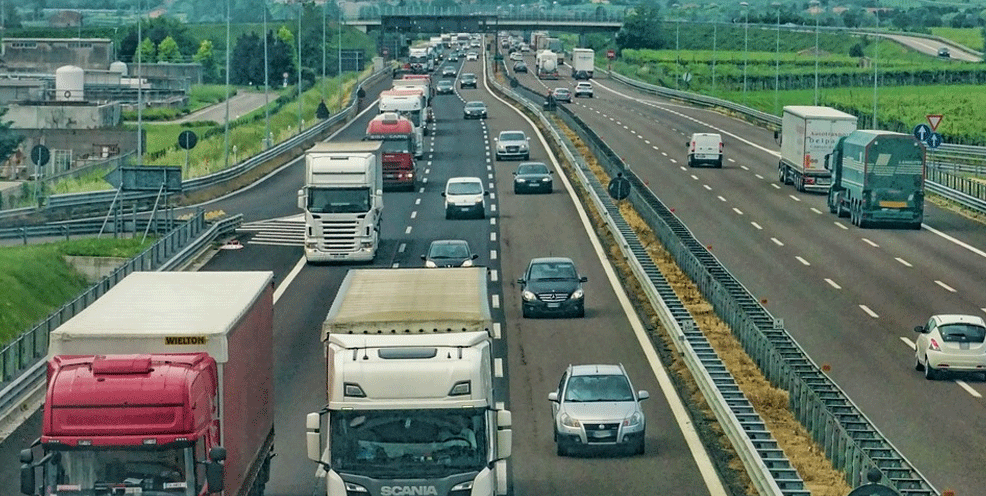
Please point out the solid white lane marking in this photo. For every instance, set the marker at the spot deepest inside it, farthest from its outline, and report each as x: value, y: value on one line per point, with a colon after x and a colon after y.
x: 832, y: 283
x: 281, y: 288
x: 869, y: 312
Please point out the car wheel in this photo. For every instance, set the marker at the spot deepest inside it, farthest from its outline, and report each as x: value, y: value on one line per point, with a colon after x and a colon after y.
x: 929, y: 372
x: 527, y: 156
x: 917, y: 363
x: 525, y: 312
x: 638, y: 447
x: 781, y: 175
x: 580, y: 313
x: 498, y: 157
x: 561, y: 448
x: 516, y: 190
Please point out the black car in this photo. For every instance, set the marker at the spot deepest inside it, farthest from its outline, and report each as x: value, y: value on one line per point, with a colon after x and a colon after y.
x: 474, y: 110
x: 520, y: 67
x: 449, y: 253
x: 448, y: 71
x: 944, y: 53
x: 445, y: 87
x: 467, y: 79
x: 552, y: 286
x: 532, y: 177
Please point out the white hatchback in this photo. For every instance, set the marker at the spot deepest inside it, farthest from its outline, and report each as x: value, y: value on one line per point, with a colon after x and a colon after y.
x: 951, y: 343
x: 465, y: 197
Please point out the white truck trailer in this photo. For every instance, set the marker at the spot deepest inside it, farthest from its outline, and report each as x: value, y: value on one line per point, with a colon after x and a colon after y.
x: 546, y: 62
x: 343, y: 201
x: 410, y: 103
x: 583, y: 63
x: 807, y: 134
x: 411, y: 407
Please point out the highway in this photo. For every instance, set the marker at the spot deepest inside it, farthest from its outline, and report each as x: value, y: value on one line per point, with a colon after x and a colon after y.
x: 850, y: 297
x: 533, y: 352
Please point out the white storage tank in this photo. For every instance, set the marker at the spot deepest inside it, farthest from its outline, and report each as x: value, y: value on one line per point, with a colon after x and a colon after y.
x: 119, y: 68
x: 69, y: 82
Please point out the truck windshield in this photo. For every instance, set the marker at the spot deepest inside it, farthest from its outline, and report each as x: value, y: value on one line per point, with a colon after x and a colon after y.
x: 409, y: 443
x: 151, y: 472
x: 338, y: 200
x: 400, y: 144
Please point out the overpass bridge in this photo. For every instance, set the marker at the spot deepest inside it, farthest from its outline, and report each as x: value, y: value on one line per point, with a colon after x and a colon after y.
x: 581, y: 23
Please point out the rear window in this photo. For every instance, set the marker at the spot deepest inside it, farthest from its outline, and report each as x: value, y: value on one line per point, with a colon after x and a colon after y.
x: 962, y: 333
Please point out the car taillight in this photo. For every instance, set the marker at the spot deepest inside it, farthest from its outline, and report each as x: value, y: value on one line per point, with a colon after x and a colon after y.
x: 933, y: 344
x: 720, y: 147
x: 693, y: 147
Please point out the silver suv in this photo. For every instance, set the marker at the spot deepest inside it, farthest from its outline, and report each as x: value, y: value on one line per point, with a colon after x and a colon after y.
x: 583, y: 89
x: 513, y: 144
x: 595, y: 406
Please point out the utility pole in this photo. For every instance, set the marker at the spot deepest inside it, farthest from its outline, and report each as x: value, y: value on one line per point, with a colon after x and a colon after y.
x: 226, y: 128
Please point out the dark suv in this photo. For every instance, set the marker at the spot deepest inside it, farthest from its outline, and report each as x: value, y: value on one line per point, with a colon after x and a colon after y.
x: 467, y: 79
x: 552, y: 286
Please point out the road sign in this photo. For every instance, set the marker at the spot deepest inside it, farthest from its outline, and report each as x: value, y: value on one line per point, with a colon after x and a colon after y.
x: 934, y: 120
x: 611, y: 54
x: 40, y: 155
x: 921, y: 132
x: 686, y: 77
x: 619, y: 187
x: 187, y: 140
x: 934, y: 141
x: 146, y: 178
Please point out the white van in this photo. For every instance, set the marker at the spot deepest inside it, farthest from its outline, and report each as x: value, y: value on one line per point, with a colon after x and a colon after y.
x: 705, y: 148
x: 465, y: 197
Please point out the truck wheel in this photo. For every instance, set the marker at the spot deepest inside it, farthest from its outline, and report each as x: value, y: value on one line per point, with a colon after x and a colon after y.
x: 781, y: 174
x: 832, y: 202
x: 915, y: 225
x: 799, y: 183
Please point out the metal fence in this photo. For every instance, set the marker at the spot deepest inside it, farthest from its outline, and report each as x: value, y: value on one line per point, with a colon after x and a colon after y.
x: 850, y: 440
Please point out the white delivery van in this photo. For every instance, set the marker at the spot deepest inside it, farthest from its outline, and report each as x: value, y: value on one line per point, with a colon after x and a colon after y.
x: 705, y: 148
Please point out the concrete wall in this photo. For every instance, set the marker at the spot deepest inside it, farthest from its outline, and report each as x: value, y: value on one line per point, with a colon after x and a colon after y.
x: 64, y: 116
x: 81, y: 146
x: 44, y: 55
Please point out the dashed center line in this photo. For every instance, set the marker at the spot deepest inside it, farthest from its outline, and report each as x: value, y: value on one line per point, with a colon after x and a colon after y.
x: 832, y: 283
x: 945, y: 286
x: 869, y: 312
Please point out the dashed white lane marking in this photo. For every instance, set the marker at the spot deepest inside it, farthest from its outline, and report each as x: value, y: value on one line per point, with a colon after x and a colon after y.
x: 843, y: 226
x: 401, y: 247
x: 407, y: 230
x: 969, y: 389
x: 492, y: 254
x: 494, y: 275
x: 871, y: 243
x: 738, y: 211
x: 869, y: 312
x: 803, y: 261
x: 795, y: 198
x: 498, y: 366
x: 833, y: 283
x: 777, y: 241
x: 493, y: 237
x: 903, y: 262
x: 414, y: 214
x: 496, y: 301
x: 496, y: 330
x: 945, y: 286
x: 817, y: 211
x: 720, y: 197
x: 758, y: 226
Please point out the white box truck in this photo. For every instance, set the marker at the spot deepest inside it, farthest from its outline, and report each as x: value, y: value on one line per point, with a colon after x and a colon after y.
x: 411, y: 408
x: 343, y: 201
x: 807, y: 134
x: 583, y: 63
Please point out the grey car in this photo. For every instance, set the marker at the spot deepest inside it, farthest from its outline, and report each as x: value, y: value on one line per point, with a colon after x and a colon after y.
x: 445, y: 87
x: 595, y: 406
x: 474, y: 110
x: 552, y: 286
x: 513, y: 144
x: 449, y: 253
x: 467, y: 79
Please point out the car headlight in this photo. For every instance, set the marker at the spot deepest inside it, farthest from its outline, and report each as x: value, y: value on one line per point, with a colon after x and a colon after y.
x: 528, y: 296
x: 633, y: 420
x: 429, y: 263
x: 467, y: 263
x: 568, y: 421
x: 577, y: 294
x: 520, y: 180
x: 546, y: 180
x: 479, y: 200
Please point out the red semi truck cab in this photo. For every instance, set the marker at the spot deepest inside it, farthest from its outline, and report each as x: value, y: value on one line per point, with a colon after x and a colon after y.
x: 162, y: 386
x: 397, y: 157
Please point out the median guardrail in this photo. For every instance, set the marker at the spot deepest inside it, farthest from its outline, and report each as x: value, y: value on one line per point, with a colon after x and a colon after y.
x: 22, y: 368
x: 72, y: 203
x: 849, y: 438
x: 942, y: 166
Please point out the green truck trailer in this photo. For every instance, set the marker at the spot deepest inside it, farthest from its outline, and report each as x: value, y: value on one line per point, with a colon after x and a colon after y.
x: 877, y: 178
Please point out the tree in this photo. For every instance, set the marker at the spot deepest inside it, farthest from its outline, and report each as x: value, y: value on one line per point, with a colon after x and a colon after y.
x: 157, y: 30
x: 247, y: 62
x: 9, y: 140
x: 281, y: 59
x: 642, y: 29
x: 167, y: 51
x: 148, y: 52
x: 207, y: 58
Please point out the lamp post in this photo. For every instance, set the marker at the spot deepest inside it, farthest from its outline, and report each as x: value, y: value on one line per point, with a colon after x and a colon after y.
x: 339, y: 55
x: 677, y: 47
x: 715, y: 35
x: 226, y: 126
x: 323, y: 49
x: 876, y: 74
x: 777, y: 52
x: 746, y: 43
x: 140, y: 98
x: 267, y: 137
x: 301, y: 122
x: 815, y: 5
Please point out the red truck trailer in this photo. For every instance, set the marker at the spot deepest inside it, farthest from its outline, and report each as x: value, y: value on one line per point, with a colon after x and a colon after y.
x: 164, y: 385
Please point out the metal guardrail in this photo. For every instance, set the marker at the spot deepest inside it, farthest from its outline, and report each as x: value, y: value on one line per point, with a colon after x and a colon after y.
x: 105, y: 197
x: 967, y: 192
x: 768, y: 467
x: 849, y: 438
x: 22, y: 361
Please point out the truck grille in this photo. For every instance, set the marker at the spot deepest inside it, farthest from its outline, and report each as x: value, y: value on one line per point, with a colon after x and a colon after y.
x: 339, y: 234
x: 601, y: 432
x: 552, y: 297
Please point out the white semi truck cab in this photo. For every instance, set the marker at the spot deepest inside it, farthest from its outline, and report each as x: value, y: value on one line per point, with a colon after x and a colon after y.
x: 411, y: 407
x: 343, y: 201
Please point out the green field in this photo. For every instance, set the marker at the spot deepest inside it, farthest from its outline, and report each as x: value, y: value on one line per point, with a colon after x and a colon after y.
x: 967, y: 37
x: 37, y: 280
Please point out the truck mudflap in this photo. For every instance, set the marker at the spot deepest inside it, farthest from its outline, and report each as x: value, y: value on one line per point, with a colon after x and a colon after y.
x: 259, y: 471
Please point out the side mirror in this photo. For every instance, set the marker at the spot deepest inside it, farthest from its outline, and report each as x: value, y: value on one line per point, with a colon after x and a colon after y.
x: 777, y: 134
x: 475, y: 256
x: 521, y: 281
x: 553, y: 396
x: 214, y: 469
x: 301, y: 199
x: 642, y: 395
x: 27, y: 472
x: 486, y: 193
x: 504, y: 434
x: 443, y: 193
x: 583, y: 279
x: 313, y: 436
x: 919, y: 329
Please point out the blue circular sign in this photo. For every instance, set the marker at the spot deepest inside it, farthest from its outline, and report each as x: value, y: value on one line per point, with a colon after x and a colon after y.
x: 922, y: 132
x: 934, y: 141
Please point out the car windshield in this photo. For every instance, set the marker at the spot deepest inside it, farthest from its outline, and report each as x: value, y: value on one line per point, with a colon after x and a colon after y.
x: 476, y: 105
x: 962, y: 333
x: 532, y: 169
x: 587, y: 388
x: 560, y: 271
x: 468, y: 76
x: 506, y: 136
x: 445, y: 84
x: 448, y: 250
x: 468, y: 188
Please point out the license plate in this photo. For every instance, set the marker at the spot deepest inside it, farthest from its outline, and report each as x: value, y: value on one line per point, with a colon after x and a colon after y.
x: 600, y: 434
x: 893, y: 204
x: 554, y: 305
x: 337, y: 255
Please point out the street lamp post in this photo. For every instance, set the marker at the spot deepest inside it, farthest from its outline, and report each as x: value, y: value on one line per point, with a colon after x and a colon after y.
x: 323, y: 48
x: 777, y: 62
x: 339, y: 54
x: 140, y: 84
x: 746, y: 43
x: 715, y: 35
x: 301, y: 8
x: 876, y: 74
x: 267, y: 136
x: 815, y: 4
x: 677, y: 47
x: 226, y: 126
